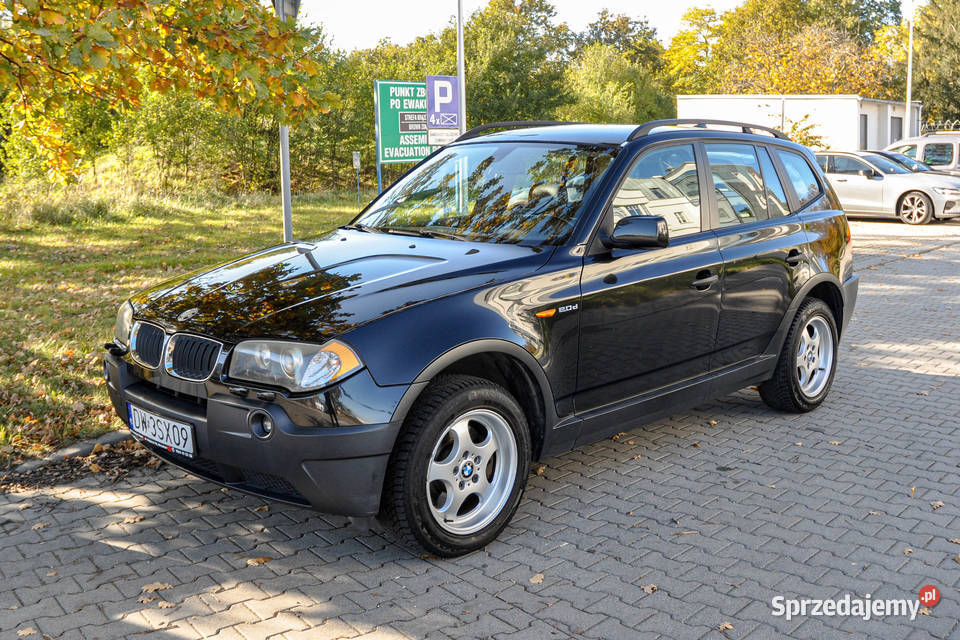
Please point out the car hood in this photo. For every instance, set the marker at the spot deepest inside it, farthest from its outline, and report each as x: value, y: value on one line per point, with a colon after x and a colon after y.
x: 926, y: 179
x: 318, y: 290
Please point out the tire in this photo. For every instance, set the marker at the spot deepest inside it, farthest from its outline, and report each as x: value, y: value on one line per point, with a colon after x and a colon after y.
x: 796, y: 387
x: 915, y: 208
x: 466, y: 433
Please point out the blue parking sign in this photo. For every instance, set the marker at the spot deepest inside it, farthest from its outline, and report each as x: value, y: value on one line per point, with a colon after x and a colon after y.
x: 443, y: 108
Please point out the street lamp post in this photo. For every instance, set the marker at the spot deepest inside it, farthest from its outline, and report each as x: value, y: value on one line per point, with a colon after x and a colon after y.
x: 909, y: 111
x: 286, y: 9
x: 462, y: 111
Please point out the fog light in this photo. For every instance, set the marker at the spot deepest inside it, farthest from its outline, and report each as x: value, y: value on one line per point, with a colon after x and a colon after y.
x: 261, y: 423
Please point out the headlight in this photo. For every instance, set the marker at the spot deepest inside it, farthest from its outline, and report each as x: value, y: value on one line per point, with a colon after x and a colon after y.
x: 947, y: 191
x: 121, y: 328
x: 291, y: 365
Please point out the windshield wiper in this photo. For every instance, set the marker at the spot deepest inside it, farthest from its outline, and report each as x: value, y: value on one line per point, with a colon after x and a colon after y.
x: 359, y: 226
x: 423, y: 233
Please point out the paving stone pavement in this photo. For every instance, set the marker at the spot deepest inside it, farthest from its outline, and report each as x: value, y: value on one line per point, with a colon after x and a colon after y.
x: 722, y: 508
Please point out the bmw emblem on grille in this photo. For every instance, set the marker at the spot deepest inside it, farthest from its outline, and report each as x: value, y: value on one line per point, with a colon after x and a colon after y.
x: 186, y: 315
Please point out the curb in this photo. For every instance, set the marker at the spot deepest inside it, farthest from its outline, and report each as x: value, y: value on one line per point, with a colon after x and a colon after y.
x: 82, y: 448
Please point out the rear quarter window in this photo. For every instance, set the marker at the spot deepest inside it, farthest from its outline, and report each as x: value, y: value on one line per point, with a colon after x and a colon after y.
x: 801, y: 176
x: 938, y: 153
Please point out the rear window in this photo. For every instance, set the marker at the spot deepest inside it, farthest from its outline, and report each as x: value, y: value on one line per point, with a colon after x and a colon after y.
x: 801, y: 176
x: 938, y: 153
x: 909, y: 150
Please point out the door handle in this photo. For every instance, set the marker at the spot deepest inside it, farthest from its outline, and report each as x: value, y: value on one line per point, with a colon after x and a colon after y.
x: 794, y: 258
x: 840, y: 179
x: 704, y: 280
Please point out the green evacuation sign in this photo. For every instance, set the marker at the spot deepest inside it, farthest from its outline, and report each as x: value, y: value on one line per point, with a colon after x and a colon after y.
x: 401, y: 109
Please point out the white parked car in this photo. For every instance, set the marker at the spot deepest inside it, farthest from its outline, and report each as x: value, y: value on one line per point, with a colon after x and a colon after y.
x: 939, y: 149
x: 869, y: 184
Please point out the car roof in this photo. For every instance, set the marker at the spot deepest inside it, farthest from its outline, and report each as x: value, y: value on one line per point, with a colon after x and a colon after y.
x: 930, y: 137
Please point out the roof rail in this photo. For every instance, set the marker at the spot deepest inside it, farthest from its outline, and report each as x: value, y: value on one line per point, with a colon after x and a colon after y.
x: 517, y: 124
x: 646, y: 128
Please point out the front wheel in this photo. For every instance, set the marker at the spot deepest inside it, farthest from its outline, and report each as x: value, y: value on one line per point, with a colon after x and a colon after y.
x: 916, y: 208
x: 459, y: 466
x: 807, y: 363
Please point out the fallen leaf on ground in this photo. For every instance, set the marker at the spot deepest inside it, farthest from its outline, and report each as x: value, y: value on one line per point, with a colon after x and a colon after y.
x: 924, y: 611
x: 50, y: 574
x: 798, y: 444
x: 713, y: 423
x: 97, y: 448
x: 153, y: 587
x: 835, y: 442
x: 132, y: 519
x: 685, y: 533
x: 876, y: 513
x: 29, y: 631
x: 637, y: 457
x: 164, y: 604
x: 912, y: 491
x: 695, y: 445
x: 539, y: 470
x: 725, y: 626
x: 40, y: 525
x: 954, y: 540
x: 630, y: 441
x: 617, y: 436
x: 907, y: 552
x: 256, y: 562
x: 936, y: 504
x: 537, y: 579
x: 146, y: 599
x: 154, y: 463
x: 649, y: 588
x: 94, y: 467
x: 264, y: 507
x: 25, y: 505
x: 956, y: 558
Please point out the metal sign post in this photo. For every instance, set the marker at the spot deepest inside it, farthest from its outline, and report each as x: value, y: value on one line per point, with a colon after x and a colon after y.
x: 286, y: 9
x: 356, y: 166
x: 462, y: 109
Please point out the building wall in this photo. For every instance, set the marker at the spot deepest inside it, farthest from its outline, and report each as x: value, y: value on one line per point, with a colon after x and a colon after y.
x: 835, y: 118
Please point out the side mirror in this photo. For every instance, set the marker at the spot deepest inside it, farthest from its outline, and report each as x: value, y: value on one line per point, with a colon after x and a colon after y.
x: 866, y: 173
x: 639, y: 232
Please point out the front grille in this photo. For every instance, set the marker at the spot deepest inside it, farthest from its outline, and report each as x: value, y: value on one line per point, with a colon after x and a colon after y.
x: 191, y: 357
x: 146, y: 343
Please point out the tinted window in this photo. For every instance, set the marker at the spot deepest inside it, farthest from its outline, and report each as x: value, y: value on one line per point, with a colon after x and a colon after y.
x: 663, y: 182
x: 526, y: 193
x: 737, y: 183
x: 848, y: 166
x: 800, y: 175
x: 822, y: 161
x: 938, y: 153
x: 776, y: 197
x: 909, y: 150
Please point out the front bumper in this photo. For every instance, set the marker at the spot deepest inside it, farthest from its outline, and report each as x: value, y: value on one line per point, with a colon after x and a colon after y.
x: 328, y: 452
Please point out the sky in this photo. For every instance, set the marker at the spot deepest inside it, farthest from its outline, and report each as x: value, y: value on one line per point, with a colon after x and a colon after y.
x: 361, y: 24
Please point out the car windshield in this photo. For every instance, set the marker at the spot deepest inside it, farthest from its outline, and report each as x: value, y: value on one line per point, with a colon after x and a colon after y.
x: 515, y: 193
x: 910, y: 163
x: 885, y: 164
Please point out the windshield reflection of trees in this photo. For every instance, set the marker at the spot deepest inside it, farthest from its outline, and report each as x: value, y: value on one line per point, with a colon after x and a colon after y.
x: 521, y: 193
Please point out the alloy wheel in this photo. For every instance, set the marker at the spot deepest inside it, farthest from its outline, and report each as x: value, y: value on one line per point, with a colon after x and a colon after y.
x: 913, y: 209
x: 471, y: 471
x: 814, y: 357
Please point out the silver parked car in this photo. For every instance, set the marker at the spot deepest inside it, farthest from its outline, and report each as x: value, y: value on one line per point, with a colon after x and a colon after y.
x: 939, y: 150
x: 870, y: 184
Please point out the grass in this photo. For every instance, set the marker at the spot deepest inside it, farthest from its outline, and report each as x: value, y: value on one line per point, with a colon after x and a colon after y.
x: 69, y: 258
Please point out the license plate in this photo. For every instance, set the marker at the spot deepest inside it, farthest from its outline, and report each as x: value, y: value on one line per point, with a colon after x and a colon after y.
x: 176, y: 437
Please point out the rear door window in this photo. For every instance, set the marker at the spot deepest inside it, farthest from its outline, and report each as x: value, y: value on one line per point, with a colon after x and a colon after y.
x: 938, y: 153
x: 737, y: 183
x: 801, y: 176
x: 848, y: 166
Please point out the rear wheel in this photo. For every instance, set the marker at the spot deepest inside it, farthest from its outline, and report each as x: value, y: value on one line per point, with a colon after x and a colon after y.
x: 916, y: 208
x: 808, y: 361
x: 459, y: 466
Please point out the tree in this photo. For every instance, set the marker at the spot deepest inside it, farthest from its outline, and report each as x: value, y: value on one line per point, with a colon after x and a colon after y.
x: 689, y: 59
x: 635, y: 39
x: 234, y: 53
x: 604, y: 85
x: 938, y: 59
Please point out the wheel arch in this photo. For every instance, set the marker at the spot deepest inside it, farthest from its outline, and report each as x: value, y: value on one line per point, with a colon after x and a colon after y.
x: 824, y: 286
x: 503, y: 363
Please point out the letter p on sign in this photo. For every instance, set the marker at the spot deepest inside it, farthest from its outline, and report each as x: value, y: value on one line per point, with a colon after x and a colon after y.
x: 442, y: 93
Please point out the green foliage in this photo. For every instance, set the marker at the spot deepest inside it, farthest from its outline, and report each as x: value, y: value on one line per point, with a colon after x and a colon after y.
x: 938, y: 59
x: 604, y: 85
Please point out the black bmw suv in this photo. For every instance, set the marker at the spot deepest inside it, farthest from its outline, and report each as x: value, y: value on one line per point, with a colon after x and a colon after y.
x: 514, y: 295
